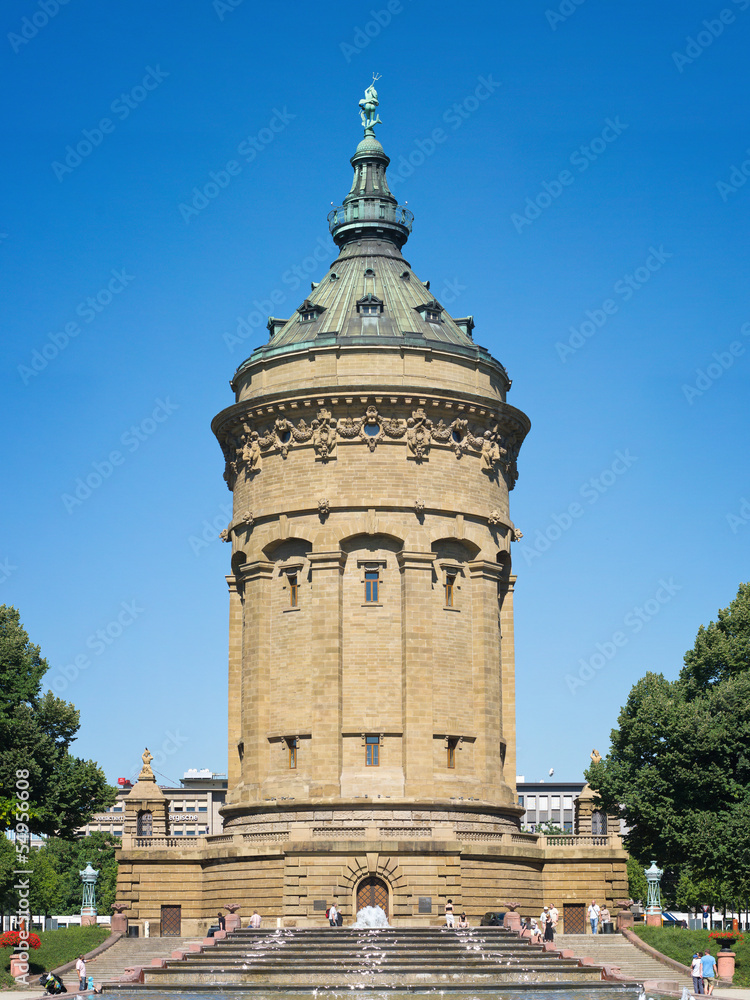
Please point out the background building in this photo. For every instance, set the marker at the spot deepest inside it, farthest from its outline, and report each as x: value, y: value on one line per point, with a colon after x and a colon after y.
x: 194, y: 806
x: 548, y: 803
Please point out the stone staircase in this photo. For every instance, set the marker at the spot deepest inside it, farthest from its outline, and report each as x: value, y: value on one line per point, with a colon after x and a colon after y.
x: 393, y: 957
x: 127, y: 952
x: 614, y: 949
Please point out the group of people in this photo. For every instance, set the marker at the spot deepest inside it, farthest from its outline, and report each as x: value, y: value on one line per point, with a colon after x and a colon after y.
x: 598, y: 916
x: 703, y: 971
x: 450, y: 917
x: 542, y: 929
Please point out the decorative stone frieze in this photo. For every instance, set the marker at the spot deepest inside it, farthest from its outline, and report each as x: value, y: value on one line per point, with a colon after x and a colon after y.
x: 493, y: 437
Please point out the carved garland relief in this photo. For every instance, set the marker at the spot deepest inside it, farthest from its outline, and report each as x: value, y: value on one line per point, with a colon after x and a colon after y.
x: 244, y: 447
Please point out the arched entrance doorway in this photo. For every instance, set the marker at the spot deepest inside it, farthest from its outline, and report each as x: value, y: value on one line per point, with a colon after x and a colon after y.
x: 372, y: 891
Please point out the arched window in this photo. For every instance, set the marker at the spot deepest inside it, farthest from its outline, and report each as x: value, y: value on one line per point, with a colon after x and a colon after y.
x: 145, y: 824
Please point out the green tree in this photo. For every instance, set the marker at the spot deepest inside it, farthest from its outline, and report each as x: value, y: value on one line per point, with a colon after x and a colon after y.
x: 679, y: 762
x: 44, y: 896
x: 68, y: 858
x: 637, y: 884
x: 36, y: 731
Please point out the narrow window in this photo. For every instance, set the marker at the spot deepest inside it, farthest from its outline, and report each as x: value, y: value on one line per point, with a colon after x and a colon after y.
x: 450, y: 585
x: 372, y: 586
x: 144, y: 824
x: 372, y: 747
x: 293, y: 591
x: 292, y: 744
x: 452, y: 744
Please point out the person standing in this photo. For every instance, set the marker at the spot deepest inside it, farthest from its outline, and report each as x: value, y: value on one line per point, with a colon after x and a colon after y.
x: 593, y: 913
x: 709, y: 972
x: 696, y: 971
x: 555, y: 914
x: 81, y: 970
x: 549, y: 927
x: 332, y: 914
x: 449, y: 919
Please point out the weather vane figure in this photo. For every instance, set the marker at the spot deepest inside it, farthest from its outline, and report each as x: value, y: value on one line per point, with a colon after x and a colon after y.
x: 368, y: 107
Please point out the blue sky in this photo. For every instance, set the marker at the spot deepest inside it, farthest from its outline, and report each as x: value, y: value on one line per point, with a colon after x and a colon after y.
x: 585, y: 200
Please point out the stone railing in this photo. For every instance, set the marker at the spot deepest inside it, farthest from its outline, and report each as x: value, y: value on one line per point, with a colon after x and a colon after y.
x: 612, y: 840
x: 159, y: 842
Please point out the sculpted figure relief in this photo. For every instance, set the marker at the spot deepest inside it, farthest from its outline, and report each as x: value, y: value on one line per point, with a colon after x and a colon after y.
x: 324, y: 435
x: 418, y: 434
x: 251, y: 455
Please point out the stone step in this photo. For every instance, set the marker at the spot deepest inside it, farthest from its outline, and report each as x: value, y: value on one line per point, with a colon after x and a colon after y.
x: 127, y: 953
x: 614, y: 949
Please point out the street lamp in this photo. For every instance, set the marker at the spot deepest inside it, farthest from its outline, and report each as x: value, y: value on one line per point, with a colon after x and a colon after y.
x: 88, y: 906
x: 653, y: 902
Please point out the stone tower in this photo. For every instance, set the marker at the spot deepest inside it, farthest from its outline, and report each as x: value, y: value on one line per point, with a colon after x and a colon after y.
x: 371, y: 453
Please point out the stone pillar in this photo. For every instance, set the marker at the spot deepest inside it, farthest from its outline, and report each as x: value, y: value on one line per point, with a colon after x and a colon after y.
x: 256, y: 578
x: 326, y: 569
x: 416, y: 645
x: 488, y: 693
x: 508, y: 677
x: 234, y: 768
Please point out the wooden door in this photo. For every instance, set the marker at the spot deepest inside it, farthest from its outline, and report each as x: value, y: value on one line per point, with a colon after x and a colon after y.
x: 171, y: 921
x: 372, y: 892
x: 574, y: 918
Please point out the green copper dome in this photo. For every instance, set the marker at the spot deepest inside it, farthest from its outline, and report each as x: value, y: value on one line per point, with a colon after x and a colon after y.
x: 370, y: 295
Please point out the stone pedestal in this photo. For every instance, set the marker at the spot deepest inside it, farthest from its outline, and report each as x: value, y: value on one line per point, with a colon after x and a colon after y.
x: 233, y: 921
x: 653, y: 919
x: 625, y: 919
x: 119, y: 923
x: 725, y: 963
x: 18, y: 967
x: 512, y: 921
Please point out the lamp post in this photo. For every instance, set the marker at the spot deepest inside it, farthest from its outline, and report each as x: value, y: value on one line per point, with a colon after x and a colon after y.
x: 653, y: 903
x: 88, y: 906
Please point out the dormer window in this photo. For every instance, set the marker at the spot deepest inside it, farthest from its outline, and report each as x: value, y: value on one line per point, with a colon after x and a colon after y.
x: 274, y: 325
x: 309, y: 311
x: 370, y: 305
x: 334, y: 276
x: 405, y: 276
x: 430, y: 311
x: 369, y: 273
x: 466, y: 324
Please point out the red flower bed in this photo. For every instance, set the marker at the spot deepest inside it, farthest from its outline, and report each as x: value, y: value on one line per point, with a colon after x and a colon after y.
x: 12, y: 939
